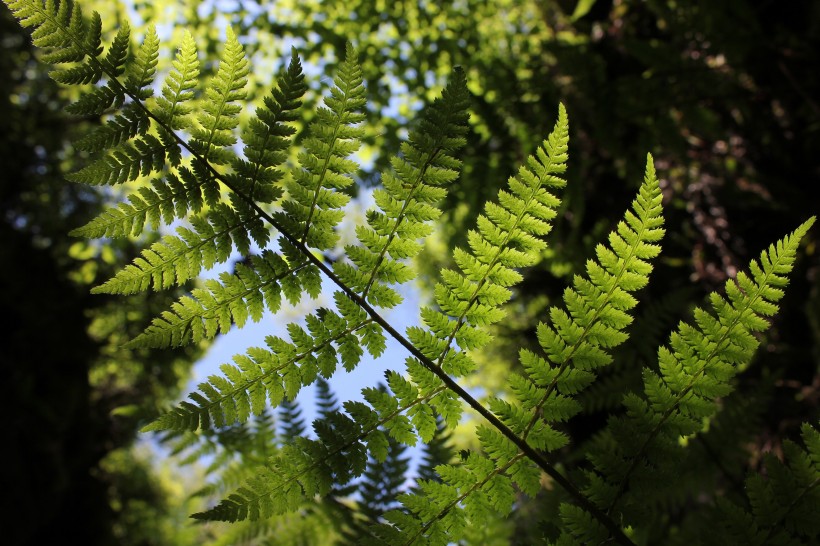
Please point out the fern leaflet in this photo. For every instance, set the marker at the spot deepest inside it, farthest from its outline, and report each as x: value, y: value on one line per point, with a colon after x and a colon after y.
x: 698, y: 369
x: 313, y: 207
x: 575, y: 344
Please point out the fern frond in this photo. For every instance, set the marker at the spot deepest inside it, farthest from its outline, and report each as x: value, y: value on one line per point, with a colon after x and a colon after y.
x: 63, y: 32
x: 438, y: 451
x: 698, y: 369
x: 174, y: 105
x: 178, y: 322
x: 474, y: 299
x: 406, y: 203
x: 130, y: 160
x: 217, y: 117
x: 233, y: 299
x: 577, y: 343
x: 114, y: 60
x: 290, y: 415
x: 267, y: 137
x: 184, y: 192
x: 505, y: 240
x: 379, y: 489
x: 508, y: 238
x: 130, y: 122
x: 314, y: 204
x: 326, y: 402
x: 166, y: 200
x: 144, y: 68
x: 176, y: 259
x: 782, y: 507
x: 280, y: 371
x: 60, y: 29
x: 647, y: 332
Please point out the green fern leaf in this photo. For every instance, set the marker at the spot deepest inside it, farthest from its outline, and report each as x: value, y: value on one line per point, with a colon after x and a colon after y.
x: 344, y: 439
x: 783, y: 505
x: 162, y: 203
x: 96, y: 102
x: 405, y: 205
x: 268, y: 137
x: 507, y: 238
x: 130, y: 122
x: 129, y: 161
x: 78, y: 75
x: 278, y: 372
x: 217, y: 118
x: 576, y: 342
x: 60, y: 29
x: 178, y: 91
x: 474, y: 297
x: 314, y: 204
x: 176, y: 259
x: 643, y: 459
x: 142, y: 71
x: 292, y: 424
x: 114, y: 60
x: 232, y: 300
x: 699, y: 367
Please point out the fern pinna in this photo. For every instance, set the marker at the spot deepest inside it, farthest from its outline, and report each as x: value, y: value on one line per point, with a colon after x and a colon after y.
x: 184, y: 158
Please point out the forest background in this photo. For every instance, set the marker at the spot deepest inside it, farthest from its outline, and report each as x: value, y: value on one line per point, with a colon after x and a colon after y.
x: 726, y: 96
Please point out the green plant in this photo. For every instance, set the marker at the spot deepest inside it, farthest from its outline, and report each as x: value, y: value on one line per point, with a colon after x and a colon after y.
x: 623, y: 485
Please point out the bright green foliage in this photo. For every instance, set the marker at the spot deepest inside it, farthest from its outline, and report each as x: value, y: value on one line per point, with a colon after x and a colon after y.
x: 187, y: 139
x: 314, y: 204
x: 272, y: 374
x: 575, y: 345
x: 505, y: 241
x: 267, y: 137
x: 217, y: 119
x: 162, y: 203
x: 144, y: 68
x: 576, y: 342
x: 507, y: 238
x: 176, y: 259
x: 138, y: 157
x: 233, y: 299
x: 331, y: 337
x: 179, y: 87
x: 643, y: 447
x: 406, y: 203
